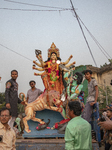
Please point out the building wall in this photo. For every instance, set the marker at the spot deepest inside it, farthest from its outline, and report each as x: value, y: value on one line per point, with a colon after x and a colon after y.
x: 107, y: 76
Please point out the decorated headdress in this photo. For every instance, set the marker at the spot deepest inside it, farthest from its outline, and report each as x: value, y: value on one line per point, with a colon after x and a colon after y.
x: 54, y: 49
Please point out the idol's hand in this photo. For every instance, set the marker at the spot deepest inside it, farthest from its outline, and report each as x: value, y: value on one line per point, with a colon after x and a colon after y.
x: 70, y: 56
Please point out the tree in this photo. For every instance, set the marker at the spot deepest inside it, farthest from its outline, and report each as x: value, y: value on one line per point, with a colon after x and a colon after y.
x: 102, y: 96
x: 21, y: 108
x: 110, y: 60
x: 2, y: 100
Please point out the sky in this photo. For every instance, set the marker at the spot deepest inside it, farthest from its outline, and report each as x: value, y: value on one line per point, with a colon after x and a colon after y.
x: 24, y: 31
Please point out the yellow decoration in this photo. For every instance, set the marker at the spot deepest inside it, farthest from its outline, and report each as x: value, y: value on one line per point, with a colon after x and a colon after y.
x: 77, y: 91
x: 49, y: 64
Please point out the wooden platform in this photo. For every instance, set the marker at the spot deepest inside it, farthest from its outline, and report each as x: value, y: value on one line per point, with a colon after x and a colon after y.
x: 40, y: 144
x: 45, y: 144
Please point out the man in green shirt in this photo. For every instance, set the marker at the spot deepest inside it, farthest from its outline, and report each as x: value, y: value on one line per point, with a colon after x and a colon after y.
x: 78, y: 130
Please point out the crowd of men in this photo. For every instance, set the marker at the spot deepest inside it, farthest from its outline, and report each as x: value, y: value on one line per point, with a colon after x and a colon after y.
x: 9, y: 120
x: 78, y: 130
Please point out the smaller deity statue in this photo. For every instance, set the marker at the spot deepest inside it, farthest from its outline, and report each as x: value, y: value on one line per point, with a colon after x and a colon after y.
x: 73, y: 87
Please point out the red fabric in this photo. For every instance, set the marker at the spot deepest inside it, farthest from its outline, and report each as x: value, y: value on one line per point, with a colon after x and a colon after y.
x: 61, y: 122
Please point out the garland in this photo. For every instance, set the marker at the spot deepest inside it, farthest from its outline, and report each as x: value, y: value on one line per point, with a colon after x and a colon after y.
x: 52, y: 78
x: 49, y: 73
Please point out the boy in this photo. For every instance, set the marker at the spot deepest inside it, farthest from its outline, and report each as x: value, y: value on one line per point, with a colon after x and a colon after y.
x: 92, y: 95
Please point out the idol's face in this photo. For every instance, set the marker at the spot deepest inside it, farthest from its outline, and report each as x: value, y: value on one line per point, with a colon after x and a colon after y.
x: 53, y: 56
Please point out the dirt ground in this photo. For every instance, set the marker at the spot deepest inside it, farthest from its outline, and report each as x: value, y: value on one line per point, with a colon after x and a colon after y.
x: 102, y: 148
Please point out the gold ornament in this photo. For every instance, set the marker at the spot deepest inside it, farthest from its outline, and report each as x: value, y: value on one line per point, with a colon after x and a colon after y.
x: 54, y: 49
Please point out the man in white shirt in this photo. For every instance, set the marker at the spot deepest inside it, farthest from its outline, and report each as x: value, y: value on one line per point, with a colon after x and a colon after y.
x: 7, y: 134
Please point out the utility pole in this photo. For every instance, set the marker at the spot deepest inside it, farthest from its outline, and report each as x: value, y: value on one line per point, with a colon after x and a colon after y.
x: 106, y: 92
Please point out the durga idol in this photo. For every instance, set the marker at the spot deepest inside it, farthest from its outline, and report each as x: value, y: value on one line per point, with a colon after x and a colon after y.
x: 52, y: 75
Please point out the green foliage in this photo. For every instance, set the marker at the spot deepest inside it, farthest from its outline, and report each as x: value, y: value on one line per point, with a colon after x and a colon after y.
x: 103, y: 65
x: 21, y: 109
x: 2, y: 98
x: 110, y: 60
x: 79, y: 67
x: 102, y: 96
x: 86, y: 93
x: 2, y: 105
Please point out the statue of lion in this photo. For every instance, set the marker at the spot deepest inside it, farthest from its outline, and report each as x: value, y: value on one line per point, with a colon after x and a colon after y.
x: 47, y: 100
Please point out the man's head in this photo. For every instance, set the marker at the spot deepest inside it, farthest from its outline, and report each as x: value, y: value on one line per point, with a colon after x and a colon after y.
x: 32, y: 83
x: 74, y: 109
x: 14, y: 74
x: 109, y: 113
x: 88, y: 74
x: 5, y: 115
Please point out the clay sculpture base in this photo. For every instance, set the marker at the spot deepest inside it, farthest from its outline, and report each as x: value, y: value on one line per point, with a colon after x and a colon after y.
x: 46, y: 133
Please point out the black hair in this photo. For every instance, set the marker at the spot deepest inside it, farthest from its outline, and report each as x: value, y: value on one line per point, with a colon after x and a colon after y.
x: 14, y: 71
x: 32, y: 81
x: 58, y: 58
x: 109, y: 109
x: 79, y: 77
x: 86, y: 71
x: 5, y: 108
x: 76, y: 107
x: 72, y: 66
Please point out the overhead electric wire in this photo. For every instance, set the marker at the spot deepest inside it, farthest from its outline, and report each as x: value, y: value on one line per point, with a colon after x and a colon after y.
x: 15, y: 52
x: 98, y: 44
x: 83, y: 33
x: 77, y: 17
x: 36, y: 5
x: 32, y: 9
